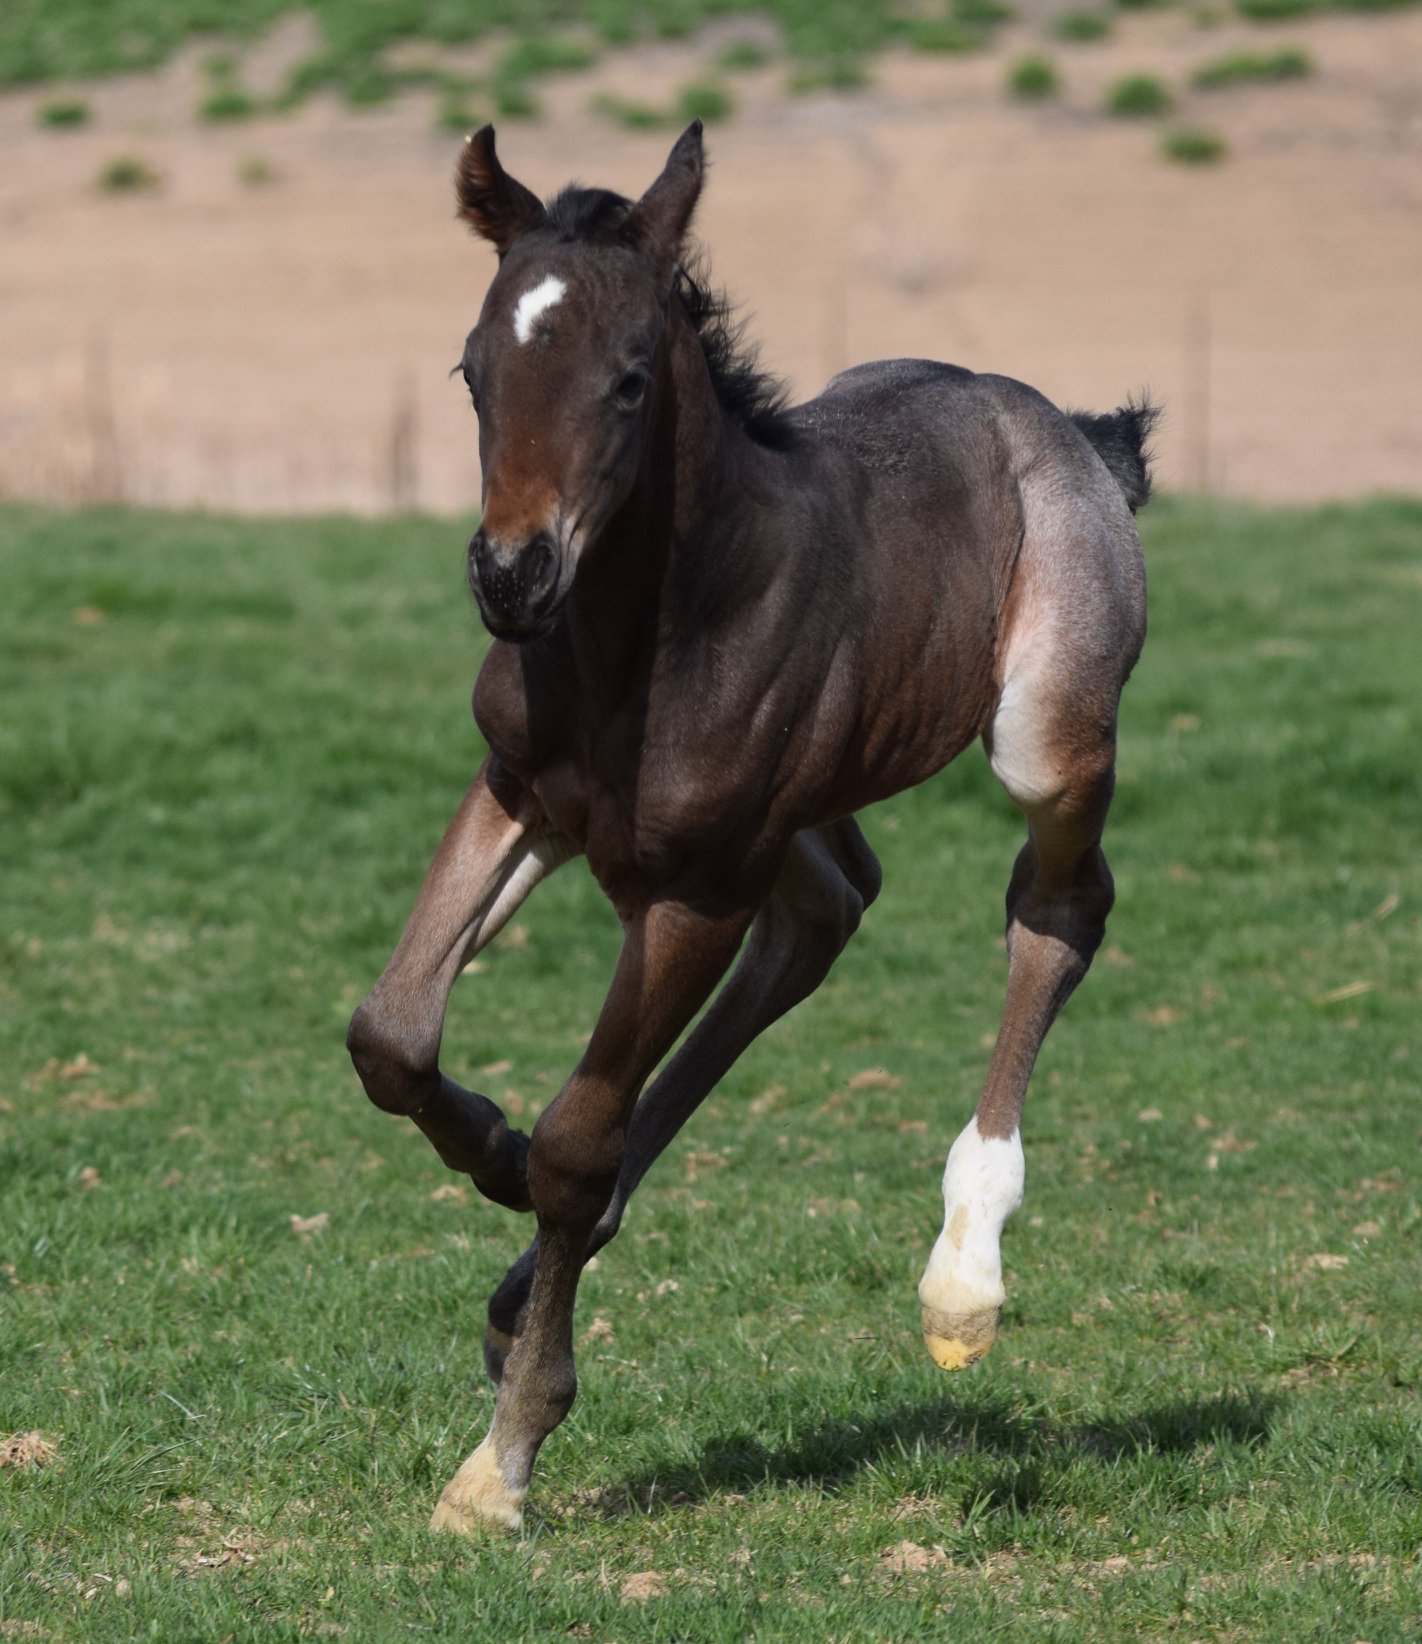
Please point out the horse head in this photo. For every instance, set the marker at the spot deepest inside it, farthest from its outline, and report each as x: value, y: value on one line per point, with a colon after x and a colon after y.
x: 565, y: 368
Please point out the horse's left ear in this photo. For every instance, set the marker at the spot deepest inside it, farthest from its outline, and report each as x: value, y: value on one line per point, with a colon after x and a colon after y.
x: 494, y: 204
x: 657, y: 224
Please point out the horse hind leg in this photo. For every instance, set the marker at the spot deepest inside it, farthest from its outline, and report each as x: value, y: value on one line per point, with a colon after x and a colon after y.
x: 1056, y: 758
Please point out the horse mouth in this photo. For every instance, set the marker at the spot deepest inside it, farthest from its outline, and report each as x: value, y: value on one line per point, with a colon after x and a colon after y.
x: 521, y: 630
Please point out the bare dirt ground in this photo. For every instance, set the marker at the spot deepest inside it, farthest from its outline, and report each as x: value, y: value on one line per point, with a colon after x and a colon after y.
x: 285, y: 346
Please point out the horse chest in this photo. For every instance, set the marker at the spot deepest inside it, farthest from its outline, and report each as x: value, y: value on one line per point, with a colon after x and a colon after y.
x: 562, y: 790
x: 676, y: 788
x: 651, y: 826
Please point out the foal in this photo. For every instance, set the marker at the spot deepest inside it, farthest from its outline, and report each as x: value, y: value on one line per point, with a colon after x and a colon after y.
x: 721, y: 627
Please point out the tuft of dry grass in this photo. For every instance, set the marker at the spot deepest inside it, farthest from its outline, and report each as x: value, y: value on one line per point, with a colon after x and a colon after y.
x: 28, y: 1451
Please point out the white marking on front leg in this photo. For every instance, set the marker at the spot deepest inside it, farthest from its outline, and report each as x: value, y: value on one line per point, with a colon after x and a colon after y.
x: 961, y: 1289
x: 535, y: 303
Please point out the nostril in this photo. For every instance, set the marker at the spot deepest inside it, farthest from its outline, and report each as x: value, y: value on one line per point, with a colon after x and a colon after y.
x: 542, y: 563
x: 476, y: 565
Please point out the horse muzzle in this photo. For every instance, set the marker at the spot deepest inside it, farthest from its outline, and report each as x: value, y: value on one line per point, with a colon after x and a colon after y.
x: 518, y: 586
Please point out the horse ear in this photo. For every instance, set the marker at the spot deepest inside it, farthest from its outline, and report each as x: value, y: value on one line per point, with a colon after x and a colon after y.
x: 494, y: 204
x: 657, y: 224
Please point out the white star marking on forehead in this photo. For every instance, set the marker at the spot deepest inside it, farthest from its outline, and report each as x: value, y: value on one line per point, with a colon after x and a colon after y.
x: 533, y: 304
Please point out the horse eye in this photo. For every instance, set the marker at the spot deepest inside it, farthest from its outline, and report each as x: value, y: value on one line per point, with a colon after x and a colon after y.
x: 631, y: 388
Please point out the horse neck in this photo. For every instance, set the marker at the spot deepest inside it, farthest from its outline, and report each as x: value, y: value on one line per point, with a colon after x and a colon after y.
x: 660, y: 550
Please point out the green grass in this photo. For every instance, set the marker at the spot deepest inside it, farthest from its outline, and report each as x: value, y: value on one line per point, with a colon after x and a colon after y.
x: 699, y: 100
x: 669, y: 19
x: 630, y: 112
x: 515, y: 100
x: 1244, y: 66
x: 740, y: 56
x: 944, y: 34
x: 227, y: 103
x: 48, y: 39
x: 536, y: 55
x: 458, y: 107
x: 1275, y: 11
x: 1034, y: 78
x: 64, y: 114
x: 835, y: 73
x: 44, y: 40
x: 1139, y: 97
x: 227, y: 752
x: 1193, y: 146
x: 703, y: 100
x: 1081, y: 26
x: 528, y: 60
x: 986, y: 12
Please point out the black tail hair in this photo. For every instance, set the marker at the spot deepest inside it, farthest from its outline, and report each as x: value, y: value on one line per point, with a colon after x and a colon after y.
x: 1120, y: 438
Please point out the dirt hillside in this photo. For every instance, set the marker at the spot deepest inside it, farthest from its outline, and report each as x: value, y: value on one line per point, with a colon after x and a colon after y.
x: 284, y: 344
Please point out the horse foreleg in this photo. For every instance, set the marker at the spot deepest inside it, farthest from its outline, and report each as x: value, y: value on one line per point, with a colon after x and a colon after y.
x: 829, y: 878
x: 490, y: 858
x: 672, y: 956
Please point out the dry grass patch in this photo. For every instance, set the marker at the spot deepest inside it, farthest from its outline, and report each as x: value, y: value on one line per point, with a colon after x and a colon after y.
x: 28, y: 1451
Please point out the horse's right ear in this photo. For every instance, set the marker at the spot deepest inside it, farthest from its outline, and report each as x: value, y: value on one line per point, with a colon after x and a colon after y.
x: 494, y: 204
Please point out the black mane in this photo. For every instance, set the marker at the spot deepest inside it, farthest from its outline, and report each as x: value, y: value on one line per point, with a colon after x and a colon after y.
x: 755, y: 398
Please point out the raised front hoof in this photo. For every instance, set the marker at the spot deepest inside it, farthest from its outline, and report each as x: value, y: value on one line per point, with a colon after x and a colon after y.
x: 498, y: 1344
x: 956, y: 1340
x: 478, y: 1500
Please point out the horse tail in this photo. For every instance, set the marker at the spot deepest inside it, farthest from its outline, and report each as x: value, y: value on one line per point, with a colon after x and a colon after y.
x: 1120, y: 439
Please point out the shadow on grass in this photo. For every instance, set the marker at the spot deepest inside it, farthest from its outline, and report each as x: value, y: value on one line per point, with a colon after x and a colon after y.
x: 1036, y: 1448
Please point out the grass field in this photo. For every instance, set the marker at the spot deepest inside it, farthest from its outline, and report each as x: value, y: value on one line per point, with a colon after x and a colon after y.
x: 226, y: 752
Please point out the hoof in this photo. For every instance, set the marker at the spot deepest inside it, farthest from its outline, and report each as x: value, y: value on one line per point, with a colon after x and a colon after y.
x: 955, y: 1341
x: 478, y: 1498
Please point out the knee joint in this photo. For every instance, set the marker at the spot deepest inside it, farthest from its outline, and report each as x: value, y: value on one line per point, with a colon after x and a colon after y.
x: 395, y: 1079
x: 573, y: 1168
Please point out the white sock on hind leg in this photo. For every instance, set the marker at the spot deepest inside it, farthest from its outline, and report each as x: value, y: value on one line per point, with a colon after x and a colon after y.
x: 982, y: 1186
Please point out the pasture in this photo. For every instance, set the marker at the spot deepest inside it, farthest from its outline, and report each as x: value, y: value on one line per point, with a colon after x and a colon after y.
x: 246, y: 1307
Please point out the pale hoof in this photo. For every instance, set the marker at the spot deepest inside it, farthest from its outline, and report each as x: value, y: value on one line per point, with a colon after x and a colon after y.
x: 956, y: 1340
x: 478, y: 1498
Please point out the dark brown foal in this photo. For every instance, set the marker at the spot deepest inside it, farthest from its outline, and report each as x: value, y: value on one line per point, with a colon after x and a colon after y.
x: 722, y: 626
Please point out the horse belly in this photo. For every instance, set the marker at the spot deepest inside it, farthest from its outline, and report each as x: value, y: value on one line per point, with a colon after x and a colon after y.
x: 927, y: 692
